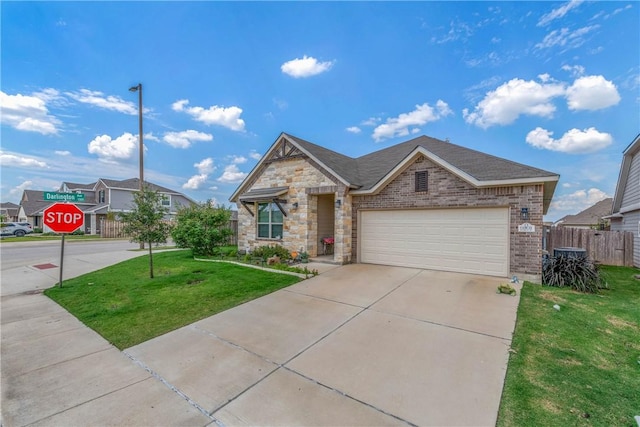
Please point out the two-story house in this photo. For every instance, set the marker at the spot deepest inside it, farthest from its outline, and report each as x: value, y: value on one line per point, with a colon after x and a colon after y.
x: 101, y: 197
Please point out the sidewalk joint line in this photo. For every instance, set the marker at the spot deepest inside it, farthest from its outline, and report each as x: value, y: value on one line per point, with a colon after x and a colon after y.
x: 171, y: 387
x: 441, y: 324
x: 348, y: 396
x: 87, y: 401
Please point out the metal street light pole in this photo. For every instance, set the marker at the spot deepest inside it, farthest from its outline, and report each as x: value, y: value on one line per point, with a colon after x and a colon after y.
x: 139, y: 90
x: 141, y: 183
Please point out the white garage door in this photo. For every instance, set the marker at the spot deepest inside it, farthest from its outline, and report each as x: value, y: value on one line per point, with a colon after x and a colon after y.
x: 463, y: 240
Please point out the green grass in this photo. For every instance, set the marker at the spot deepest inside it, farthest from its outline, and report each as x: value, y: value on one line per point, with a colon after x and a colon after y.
x: 123, y: 305
x: 580, y: 365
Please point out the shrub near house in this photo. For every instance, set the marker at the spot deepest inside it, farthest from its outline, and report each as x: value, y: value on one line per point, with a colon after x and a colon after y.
x: 202, y: 227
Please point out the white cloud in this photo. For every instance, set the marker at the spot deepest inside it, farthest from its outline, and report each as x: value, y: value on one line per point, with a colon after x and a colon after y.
x: 513, y: 99
x: 578, y: 201
x: 195, y: 182
x: 27, y: 113
x: 51, y: 96
x: 62, y: 153
x: 371, y: 121
x: 575, y: 70
x: 573, y: 141
x: 354, y: 129
x: 566, y: 38
x: 399, y: 126
x: 558, y: 13
x: 306, y: 66
x: 12, y: 160
x: 205, y: 166
x: 98, y: 99
x: 458, y: 30
x: 185, y: 138
x: 232, y: 175
x: 280, y: 103
x: 123, y: 147
x: 18, y: 189
x: 238, y: 160
x: 151, y: 137
x: 255, y: 155
x: 592, y: 93
x: 228, y: 117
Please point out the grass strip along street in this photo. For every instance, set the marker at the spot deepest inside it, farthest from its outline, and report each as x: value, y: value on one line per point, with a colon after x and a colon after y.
x: 126, y: 307
x: 579, y: 365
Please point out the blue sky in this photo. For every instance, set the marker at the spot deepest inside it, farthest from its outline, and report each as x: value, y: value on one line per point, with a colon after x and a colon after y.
x: 555, y: 85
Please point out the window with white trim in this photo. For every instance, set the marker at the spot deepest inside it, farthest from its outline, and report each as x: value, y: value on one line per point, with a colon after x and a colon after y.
x: 166, y: 200
x: 270, y: 221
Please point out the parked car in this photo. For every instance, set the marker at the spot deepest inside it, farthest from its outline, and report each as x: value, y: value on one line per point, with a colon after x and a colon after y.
x: 15, y: 229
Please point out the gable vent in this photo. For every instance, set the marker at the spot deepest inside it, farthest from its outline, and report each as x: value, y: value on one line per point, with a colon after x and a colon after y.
x: 421, y: 181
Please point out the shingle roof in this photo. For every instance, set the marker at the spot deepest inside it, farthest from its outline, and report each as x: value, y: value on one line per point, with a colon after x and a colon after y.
x: 10, y: 208
x: 365, y: 171
x: 76, y: 186
x: 344, y: 166
x: 590, y: 216
x: 368, y: 173
x: 134, y: 184
x: 33, y: 202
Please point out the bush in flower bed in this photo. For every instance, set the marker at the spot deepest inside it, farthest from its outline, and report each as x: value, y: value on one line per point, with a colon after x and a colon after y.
x: 265, y: 252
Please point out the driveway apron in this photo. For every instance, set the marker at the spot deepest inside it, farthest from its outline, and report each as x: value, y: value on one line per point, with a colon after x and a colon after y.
x: 357, y: 345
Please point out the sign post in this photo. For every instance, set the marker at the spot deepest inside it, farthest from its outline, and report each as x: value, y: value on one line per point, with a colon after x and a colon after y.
x: 63, y: 218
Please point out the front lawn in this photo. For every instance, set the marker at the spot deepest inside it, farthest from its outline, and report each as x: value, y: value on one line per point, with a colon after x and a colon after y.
x: 579, y: 365
x: 123, y: 305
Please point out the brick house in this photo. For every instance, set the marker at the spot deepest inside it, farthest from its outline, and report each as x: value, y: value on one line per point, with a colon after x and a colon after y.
x: 424, y: 203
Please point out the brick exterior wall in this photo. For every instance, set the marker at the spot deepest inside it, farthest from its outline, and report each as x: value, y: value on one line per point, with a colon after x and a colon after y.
x: 446, y: 190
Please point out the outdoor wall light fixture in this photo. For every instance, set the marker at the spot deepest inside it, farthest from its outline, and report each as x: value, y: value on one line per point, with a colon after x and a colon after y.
x: 338, y: 203
x: 524, y: 214
x: 295, y: 205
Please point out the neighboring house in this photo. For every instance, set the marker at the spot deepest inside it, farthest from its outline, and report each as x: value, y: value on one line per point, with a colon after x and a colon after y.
x: 626, y: 201
x: 9, y: 211
x: 424, y: 203
x: 590, y: 218
x: 101, y: 197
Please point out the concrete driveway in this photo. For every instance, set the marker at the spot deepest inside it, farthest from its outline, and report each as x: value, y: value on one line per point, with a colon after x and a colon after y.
x: 357, y: 345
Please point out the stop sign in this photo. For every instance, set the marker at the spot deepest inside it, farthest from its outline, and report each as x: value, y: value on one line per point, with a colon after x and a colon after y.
x: 63, y: 217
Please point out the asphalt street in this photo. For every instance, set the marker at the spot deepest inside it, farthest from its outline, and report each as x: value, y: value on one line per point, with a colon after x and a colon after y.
x: 33, y: 266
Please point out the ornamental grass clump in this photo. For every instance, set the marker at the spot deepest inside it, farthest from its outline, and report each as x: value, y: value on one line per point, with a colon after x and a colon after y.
x: 578, y: 273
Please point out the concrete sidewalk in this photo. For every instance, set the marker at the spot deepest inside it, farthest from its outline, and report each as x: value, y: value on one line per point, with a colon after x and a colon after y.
x: 56, y: 371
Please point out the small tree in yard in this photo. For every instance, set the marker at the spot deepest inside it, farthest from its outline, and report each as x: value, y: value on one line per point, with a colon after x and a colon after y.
x: 202, y: 227
x: 145, y: 222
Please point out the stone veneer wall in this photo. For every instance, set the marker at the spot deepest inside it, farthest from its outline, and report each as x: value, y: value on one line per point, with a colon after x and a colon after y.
x: 446, y: 190
x: 305, y: 179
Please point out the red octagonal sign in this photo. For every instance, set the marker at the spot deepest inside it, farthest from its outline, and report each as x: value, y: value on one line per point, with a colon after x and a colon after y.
x: 63, y: 217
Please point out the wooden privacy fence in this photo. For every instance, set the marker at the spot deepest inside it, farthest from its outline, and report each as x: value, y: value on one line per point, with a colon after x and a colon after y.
x: 112, y: 229
x: 605, y: 247
x: 115, y: 229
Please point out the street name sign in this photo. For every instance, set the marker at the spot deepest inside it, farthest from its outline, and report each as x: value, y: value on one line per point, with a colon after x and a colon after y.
x: 51, y: 196
x: 63, y: 217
